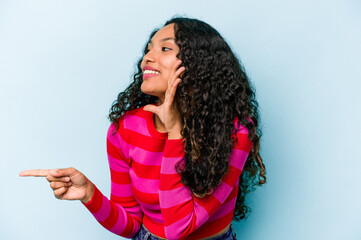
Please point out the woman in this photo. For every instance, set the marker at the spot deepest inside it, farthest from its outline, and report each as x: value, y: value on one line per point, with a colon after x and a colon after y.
x: 179, y: 140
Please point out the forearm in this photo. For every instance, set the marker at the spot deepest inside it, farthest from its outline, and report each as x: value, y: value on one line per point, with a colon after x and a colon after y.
x: 112, y: 216
x: 121, y: 214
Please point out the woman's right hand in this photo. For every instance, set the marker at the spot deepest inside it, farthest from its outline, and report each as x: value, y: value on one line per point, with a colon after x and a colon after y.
x: 67, y: 183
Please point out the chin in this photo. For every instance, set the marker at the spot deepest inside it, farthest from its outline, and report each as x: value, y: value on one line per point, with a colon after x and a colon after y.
x: 145, y: 89
x: 150, y: 90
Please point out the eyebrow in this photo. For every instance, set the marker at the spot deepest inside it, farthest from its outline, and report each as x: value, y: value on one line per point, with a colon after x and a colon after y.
x: 164, y: 40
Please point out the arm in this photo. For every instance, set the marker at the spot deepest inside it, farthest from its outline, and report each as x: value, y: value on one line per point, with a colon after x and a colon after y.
x: 121, y: 214
x: 183, y: 212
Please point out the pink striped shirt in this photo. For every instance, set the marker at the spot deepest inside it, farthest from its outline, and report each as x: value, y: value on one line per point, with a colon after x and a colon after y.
x: 146, y: 189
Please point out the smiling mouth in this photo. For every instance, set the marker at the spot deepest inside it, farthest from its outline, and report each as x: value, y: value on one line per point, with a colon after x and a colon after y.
x: 146, y: 72
x: 150, y: 73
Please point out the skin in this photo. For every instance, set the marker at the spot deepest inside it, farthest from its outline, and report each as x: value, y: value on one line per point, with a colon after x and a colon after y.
x: 162, y: 55
x: 67, y: 183
x: 71, y: 184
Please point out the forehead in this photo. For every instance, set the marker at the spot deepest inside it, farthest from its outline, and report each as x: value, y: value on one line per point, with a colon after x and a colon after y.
x: 167, y: 32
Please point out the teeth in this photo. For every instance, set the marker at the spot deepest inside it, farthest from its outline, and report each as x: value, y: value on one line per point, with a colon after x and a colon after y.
x: 150, y: 72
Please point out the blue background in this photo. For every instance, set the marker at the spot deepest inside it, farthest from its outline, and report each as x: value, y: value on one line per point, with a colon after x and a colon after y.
x: 62, y: 64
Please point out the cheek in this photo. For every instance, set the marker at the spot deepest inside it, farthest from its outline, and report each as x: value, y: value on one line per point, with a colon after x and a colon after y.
x: 171, y: 61
x: 168, y: 65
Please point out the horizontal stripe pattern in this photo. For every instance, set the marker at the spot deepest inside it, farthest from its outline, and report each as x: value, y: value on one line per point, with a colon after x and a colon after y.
x: 104, y: 211
x: 143, y: 184
x: 170, y: 198
x: 224, y: 209
x: 121, y: 190
x: 147, y: 189
x: 152, y: 212
x: 135, y: 124
x: 145, y: 157
x: 148, y: 198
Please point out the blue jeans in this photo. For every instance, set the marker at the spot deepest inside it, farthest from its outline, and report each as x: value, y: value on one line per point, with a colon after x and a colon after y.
x: 144, y: 234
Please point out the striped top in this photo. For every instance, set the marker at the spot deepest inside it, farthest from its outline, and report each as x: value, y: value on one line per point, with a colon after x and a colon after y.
x: 146, y: 188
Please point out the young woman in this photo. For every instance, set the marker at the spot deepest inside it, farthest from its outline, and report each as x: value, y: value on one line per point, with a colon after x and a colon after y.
x: 181, y: 135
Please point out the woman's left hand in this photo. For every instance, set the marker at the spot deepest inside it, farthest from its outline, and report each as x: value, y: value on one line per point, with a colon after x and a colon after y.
x: 167, y: 111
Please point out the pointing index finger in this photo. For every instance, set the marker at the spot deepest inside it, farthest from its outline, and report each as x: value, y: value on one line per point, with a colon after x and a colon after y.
x: 34, y: 173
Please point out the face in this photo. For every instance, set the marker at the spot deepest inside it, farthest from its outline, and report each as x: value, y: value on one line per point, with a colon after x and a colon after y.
x: 158, y: 64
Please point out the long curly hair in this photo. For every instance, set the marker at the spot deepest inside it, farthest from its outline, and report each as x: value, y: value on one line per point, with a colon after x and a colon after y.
x: 214, y: 91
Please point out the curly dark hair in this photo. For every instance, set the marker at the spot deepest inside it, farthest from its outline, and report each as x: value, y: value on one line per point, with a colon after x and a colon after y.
x: 214, y: 91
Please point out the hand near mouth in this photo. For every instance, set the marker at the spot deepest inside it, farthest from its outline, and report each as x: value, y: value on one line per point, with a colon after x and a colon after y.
x: 167, y: 111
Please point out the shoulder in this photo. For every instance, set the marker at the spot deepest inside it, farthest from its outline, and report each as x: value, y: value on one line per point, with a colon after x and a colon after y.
x: 139, y: 112
x: 128, y: 115
x: 135, y: 119
x: 121, y: 133
x: 131, y: 122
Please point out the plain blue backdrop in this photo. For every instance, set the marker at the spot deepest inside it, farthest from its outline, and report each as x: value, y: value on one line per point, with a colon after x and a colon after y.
x: 62, y: 64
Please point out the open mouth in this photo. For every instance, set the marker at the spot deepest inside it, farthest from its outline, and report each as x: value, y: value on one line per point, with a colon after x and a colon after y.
x: 145, y: 72
x: 149, y: 72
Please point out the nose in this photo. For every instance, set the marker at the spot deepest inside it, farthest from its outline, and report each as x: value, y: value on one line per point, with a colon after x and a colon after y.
x: 149, y: 57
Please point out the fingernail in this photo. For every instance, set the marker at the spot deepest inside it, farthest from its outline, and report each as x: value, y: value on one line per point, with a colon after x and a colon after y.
x: 67, y: 179
x: 69, y: 183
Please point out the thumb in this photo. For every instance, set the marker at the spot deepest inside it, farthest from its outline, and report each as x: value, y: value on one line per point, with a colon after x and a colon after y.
x: 65, y: 172
x: 151, y: 108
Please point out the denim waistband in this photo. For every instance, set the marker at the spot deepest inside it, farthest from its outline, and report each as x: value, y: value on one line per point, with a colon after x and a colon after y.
x: 145, y: 234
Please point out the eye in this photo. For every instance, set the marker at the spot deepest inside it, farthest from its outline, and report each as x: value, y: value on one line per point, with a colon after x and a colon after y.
x: 164, y: 49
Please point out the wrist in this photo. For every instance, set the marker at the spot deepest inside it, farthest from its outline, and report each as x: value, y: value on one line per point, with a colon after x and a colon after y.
x: 89, y: 192
x: 175, y: 132
x: 174, y: 135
